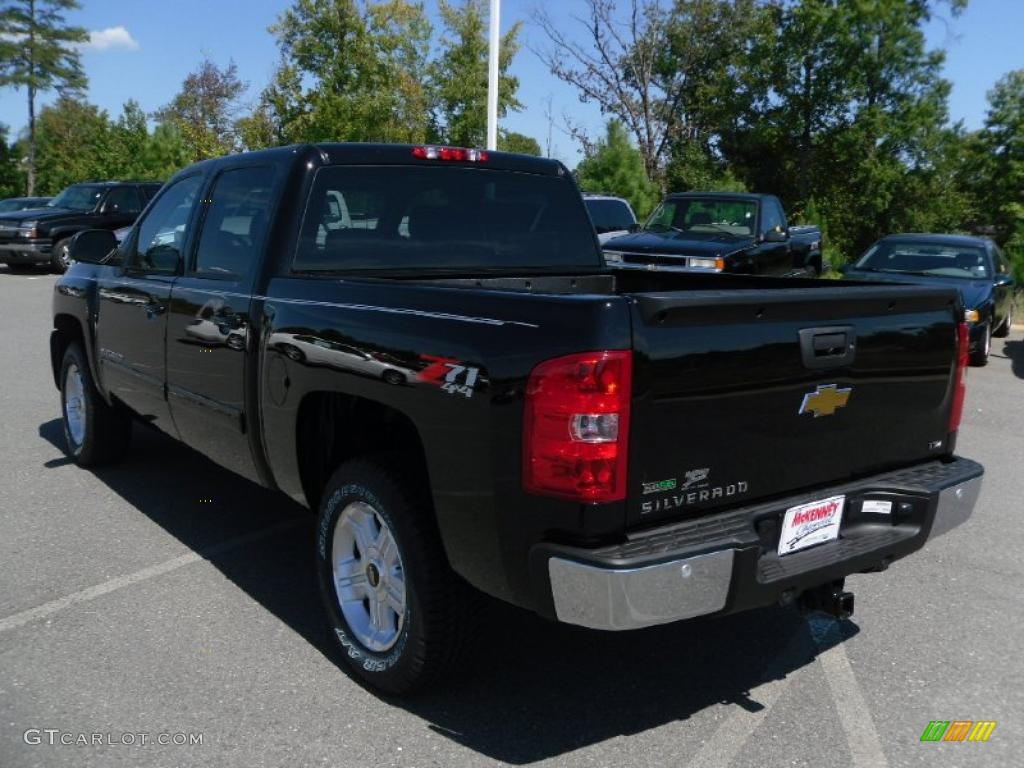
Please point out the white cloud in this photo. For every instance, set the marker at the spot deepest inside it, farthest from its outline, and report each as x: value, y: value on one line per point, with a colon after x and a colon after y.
x: 111, y: 37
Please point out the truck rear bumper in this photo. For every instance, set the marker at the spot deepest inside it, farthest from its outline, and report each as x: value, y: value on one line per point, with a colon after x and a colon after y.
x: 729, y: 561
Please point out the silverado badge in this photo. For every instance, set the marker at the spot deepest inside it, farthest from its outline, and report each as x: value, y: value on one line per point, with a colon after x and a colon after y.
x: 825, y: 400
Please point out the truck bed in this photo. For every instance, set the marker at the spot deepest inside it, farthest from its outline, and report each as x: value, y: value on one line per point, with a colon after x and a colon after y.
x: 725, y: 370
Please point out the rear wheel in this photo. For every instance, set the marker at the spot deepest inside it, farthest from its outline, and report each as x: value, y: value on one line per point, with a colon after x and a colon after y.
x: 398, y: 611
x: 60, y: 258
x: 980, y: 356
x: 95, y: 432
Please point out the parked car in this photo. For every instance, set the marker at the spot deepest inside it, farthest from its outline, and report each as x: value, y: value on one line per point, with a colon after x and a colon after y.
x: 22, y: 203
x: 40, y: 236
x: 973, y: 265
x: 612, y: 216
x: 720, y: 232
x: 608, y: 448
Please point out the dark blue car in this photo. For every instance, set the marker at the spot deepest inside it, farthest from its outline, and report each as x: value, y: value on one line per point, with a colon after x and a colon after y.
x: 975, y: 265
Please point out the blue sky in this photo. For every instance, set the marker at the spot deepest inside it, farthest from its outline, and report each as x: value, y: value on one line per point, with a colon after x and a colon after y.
x: 145, y: 48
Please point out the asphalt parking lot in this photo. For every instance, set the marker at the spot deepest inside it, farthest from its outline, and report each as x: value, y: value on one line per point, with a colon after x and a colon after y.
x: 165, y: 597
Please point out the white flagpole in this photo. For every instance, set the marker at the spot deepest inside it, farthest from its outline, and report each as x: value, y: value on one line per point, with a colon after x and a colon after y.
x: 492, y: 75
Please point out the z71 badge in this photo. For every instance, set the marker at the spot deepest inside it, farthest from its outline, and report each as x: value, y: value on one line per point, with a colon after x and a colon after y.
x: 451, y: 375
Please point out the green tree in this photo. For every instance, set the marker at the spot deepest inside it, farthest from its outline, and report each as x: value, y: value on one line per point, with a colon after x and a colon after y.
x: 129, y: 136
x: 165, y: 153
x: 616, y: 167
x: 11, y: 182
x: 74, y: 142
x: 510, y: 141
x: 37, y: 51
x: 999, y: 162
x: 460, y: 73
x: 205, y: 109
x: 258, y: 129
x: 844, y: 102
x: 351, y: 71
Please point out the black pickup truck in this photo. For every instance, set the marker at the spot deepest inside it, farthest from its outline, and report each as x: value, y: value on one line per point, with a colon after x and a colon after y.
x: 424, y: 345
x: 719, y: 232
x: 40, y: 236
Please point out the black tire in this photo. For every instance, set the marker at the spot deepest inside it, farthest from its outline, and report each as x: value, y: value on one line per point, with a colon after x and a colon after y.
x: 107, y: 429
x: 437, y: 604
x: 979, y: 357
x: 394, y: 377
x: 60, y: 256
x: 1004, y: 329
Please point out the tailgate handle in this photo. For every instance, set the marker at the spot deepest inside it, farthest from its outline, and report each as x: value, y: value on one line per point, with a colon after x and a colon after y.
x: 829, y: 347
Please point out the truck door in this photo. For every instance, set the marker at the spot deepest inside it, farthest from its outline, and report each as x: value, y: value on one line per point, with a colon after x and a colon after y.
x: 131, y: 314
x: 208, y: 336
x: 773, y: 257
x: 120, y: 208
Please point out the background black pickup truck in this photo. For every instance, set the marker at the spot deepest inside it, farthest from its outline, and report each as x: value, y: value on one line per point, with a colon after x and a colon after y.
x: 424, y: 345
x: 720, y: 232
x: 40, y: 236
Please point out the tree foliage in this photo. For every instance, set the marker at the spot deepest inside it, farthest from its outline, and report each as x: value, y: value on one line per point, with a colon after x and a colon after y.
x: 350, y: 71
x: 999, y: 153
x: 510, y: 141
x: 204, y: 112
x: 837, y: 102
x: 37, y: 52
x: 460, y: 73
x: 616, y: 167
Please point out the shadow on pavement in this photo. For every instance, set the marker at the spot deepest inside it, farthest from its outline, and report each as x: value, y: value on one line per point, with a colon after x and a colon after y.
x: 529, y: 689
x: 1015, y: 351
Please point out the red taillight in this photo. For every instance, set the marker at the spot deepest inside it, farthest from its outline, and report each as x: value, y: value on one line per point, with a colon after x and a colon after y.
x: 450, y: 153
x: 959, y: 386
x: 576, y: 426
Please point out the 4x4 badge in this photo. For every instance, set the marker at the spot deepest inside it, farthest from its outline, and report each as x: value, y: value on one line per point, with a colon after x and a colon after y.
x: 825, y: 400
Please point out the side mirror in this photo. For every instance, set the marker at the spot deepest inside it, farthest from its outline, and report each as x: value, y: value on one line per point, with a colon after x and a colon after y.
x: 775, y: 236
x: 92, y: 246
x: 1004, y: 281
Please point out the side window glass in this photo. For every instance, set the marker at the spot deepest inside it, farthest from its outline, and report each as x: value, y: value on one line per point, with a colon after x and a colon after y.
x: 1000, y: 261
x: 162, y: 233
x: 122, y: 200
x: 772, y: 217
x: 236, y: 222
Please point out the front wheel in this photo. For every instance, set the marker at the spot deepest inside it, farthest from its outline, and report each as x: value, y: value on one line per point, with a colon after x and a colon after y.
x: 397, y: 610
x: 60, y: 258
x: 95, y: 432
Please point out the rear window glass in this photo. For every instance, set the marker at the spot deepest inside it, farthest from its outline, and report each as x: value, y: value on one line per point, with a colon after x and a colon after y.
x: 610, y: 215
x: 926, y: 258
x: 438, y: 217
x: 705, y: 218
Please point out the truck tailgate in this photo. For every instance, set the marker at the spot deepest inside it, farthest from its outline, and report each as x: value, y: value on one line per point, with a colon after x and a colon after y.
x: 741, y: 395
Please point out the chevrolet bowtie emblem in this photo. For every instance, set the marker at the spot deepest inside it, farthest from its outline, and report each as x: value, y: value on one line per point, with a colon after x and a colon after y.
x: 825, y: 400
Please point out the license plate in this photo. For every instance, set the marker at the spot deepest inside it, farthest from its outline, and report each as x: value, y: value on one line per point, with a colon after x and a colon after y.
x: 813, y: 523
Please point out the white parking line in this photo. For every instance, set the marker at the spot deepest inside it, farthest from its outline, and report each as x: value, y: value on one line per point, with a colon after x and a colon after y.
x: 854, y: 715
x: 90, y: 593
